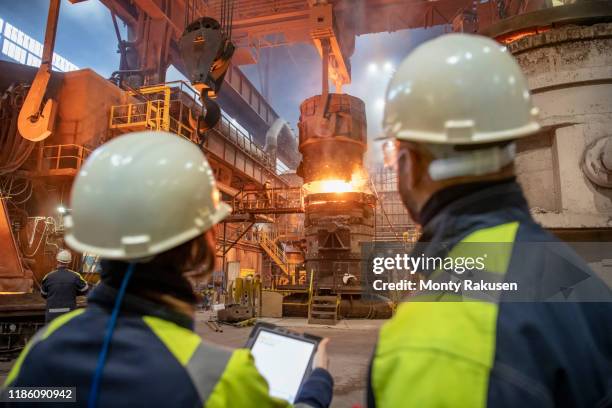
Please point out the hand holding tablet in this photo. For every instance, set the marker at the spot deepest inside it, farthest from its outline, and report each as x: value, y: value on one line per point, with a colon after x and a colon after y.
x: 285, y: 359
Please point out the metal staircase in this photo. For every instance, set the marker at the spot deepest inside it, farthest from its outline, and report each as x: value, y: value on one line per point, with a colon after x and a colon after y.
x: 323, y: 310
x: 267, y: 241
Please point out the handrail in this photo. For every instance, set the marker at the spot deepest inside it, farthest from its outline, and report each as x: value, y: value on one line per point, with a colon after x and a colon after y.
x: 269, y: 200
x: 151, y: 113
x: 276, y: 254
x: 310, y: 289
x: 273, y: 250
x: 55, y: 159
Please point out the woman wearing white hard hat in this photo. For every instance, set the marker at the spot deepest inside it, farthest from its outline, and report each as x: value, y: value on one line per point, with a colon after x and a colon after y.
x: 147, y: 204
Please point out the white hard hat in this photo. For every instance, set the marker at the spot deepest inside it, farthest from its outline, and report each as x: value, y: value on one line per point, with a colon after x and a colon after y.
x: 142, y: 194
x: 459, y: 89
x: 64, y: 256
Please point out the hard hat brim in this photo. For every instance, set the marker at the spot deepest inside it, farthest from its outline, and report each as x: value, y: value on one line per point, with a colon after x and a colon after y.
x: 222, y: 211
x: 467, y: 139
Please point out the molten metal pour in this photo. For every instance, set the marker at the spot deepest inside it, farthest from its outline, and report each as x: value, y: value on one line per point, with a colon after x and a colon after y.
x: 339, y: 207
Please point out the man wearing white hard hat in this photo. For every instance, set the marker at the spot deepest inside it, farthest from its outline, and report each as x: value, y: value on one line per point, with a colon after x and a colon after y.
x: 61, y: 287
x: 147, y: 204
x: 527, y: 323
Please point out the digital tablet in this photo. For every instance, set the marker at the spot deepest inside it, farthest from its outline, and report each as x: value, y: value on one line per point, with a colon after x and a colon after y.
x: 283, y: 358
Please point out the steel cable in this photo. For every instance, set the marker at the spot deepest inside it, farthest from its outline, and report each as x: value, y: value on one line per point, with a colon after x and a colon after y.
x: 14, y: 150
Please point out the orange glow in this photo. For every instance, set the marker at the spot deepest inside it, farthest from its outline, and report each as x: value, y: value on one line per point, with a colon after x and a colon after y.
x: 12, y: 293
x: 356, y: 184
x: 510, y: 38
x: 329, y: 186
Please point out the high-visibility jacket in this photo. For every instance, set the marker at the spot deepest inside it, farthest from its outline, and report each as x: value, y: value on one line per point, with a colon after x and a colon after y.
x: 61, y: 287
x: 498, y: 352
x: 155, y: 360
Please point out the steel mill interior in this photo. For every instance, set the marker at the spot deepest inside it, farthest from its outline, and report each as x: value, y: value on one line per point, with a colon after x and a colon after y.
x: 285, y: 100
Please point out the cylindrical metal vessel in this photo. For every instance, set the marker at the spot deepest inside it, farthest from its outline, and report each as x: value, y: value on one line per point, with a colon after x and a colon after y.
x: 332, y: 137
x: 561, y: 168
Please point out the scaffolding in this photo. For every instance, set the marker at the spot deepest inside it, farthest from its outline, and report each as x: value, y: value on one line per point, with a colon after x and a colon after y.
x: 393, y: 223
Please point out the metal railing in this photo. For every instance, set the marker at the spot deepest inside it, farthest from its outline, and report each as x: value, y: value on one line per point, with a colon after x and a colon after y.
x: 268, y: 243
x: 308, y: 288
x: 168, y: 107
x: 64, y: 156
x: 269, y: 201
x: 128, y: 115
x: 230, y: 132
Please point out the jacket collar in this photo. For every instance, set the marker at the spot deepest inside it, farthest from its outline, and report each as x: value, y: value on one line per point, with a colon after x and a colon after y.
x: 454, y: 212
x: 104, y: 295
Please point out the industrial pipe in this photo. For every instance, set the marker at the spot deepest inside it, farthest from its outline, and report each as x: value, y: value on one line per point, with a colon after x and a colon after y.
x: 288, y: 146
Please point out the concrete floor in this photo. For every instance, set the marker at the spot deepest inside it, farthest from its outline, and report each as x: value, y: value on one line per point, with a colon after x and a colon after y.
x: 351, y: 345
x: 350, y: 348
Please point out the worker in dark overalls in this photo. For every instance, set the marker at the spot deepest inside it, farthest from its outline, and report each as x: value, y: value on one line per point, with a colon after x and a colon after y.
x: 265, y: 199
x: 61, y: 287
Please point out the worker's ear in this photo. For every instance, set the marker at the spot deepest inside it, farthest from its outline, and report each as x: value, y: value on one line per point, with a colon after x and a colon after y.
x: 409, y: 164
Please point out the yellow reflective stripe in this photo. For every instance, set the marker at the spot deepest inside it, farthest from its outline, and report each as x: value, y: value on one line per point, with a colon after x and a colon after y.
x: 497, y: 246
x: 499, y: 233
x: 181, y: 342
x: 45, y: 277
x: 44, y: 333
x: 60, y: 321
x: 78, y: 274
x: 457, y: 328
x: 241, y: 385
x: 69, y: 270
x: 443, y: 350
x: 17, y: 366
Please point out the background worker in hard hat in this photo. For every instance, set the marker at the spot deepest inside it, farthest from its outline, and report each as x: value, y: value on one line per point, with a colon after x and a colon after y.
x: 61, y: 287
x: 147, y: 204
x: 454, y: 109
x: 266, y: 199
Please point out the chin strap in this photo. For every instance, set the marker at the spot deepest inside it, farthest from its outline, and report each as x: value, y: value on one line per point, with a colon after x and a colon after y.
x: 110, y: 328
x: 472, y: 163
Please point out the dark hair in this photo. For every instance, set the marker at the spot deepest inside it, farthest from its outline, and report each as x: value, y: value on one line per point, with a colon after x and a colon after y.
x: 164, y: 273
x: 186, y: 257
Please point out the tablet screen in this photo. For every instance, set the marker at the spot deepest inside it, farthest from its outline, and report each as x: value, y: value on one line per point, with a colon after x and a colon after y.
x: 282, y: 361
